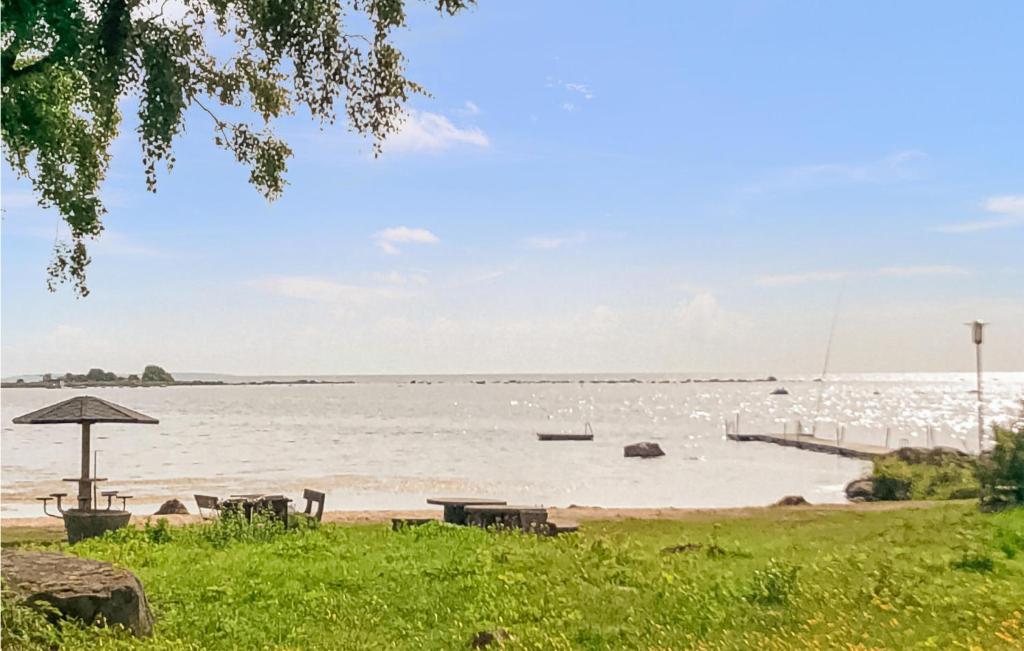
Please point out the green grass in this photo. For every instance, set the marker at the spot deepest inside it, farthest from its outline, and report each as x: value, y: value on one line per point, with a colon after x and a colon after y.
x: 942, y: 577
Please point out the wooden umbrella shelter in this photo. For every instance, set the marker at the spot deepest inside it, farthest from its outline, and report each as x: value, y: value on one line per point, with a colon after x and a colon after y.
x: 86, y: 411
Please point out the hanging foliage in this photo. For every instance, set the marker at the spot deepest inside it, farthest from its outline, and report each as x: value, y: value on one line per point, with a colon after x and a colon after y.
x: 67, y: 64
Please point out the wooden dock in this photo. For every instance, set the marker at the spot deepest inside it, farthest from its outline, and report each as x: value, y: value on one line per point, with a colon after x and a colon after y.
x: 564, y: 437
x: 814, y: 444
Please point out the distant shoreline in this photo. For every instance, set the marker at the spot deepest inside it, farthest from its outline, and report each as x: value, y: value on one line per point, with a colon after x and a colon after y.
x: 191, y: 383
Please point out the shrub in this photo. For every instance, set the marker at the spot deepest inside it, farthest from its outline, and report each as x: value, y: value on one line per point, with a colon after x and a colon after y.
x: 153, y: 373
x: 99, y: 375
x: 1001, y: 470
x: 933, y: 477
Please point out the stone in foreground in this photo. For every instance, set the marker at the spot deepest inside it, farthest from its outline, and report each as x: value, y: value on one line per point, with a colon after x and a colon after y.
x: 644, y: 449
x: 861, y: 490
x: 172, y: 507
x: 79, y: 588
x: 793, y: 500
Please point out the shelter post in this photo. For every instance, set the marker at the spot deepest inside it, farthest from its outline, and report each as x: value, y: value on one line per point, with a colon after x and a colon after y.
x: 84, y: 487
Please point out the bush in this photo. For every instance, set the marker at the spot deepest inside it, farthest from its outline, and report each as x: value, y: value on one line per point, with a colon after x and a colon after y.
x: 153, y: 373
x: 935, y: 476
x: 1001, y: 470
x: 99, y: 375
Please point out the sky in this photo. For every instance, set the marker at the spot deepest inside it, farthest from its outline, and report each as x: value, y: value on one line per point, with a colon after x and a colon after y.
x: 592, y: 187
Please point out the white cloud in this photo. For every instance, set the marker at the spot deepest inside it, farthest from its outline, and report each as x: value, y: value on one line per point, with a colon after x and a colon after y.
x: 15, y: 199
x: 1010, y: 206
x: 783, y: 280
x: 555, y: 242
x: 470, y: 109
x: 114, y: 243
x: 429, y: 132
x: 702, y: 317
x: 568, y: 107
x: 894, y: 167
x: 581, y: 89
x: 323, y: 290
x: 933, y: 270
x: 160, y: 11
x: 399, y: 278
x: 388, y: 238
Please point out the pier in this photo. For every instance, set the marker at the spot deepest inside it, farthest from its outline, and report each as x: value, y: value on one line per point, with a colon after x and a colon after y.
x: 815, y: 444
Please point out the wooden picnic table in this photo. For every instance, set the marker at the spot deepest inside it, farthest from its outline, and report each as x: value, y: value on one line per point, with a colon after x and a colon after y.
x: 527, y: 518
x: 249, y: 503
x: 455, y: 507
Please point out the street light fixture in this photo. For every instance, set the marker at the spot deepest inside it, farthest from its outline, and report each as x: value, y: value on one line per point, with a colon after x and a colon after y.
x: 977, y: 335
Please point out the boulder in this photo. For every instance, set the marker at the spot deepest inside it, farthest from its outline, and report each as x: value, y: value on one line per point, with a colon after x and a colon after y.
x: 793, y: 500
x: 90, y: 591
x: 860, y: 490
x: 781, y: 391
x: 643, y: 449
x: 172, y: 507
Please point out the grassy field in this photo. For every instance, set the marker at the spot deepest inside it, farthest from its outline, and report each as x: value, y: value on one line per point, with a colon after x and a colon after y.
x: 784, y: 578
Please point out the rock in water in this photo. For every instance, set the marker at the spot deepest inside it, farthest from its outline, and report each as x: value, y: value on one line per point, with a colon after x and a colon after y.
x: 644, y: 449
x: 79, y: 588
x: 172, y: 507
x: 793, y: 500
x: 860, y: 490
x: 781, y: 391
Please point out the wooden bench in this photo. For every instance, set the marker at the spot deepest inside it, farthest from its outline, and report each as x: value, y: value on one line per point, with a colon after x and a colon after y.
x: 314, y: 497
x: 208, y: 502
x: 559, y: 527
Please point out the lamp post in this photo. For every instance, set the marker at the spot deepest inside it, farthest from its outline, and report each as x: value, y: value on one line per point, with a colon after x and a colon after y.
x: 977, y: 335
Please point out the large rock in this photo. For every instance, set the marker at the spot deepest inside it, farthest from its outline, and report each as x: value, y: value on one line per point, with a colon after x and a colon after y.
x: 79, y: 588
x: 644, y: 449
x: 793, y: 500
x: 860, y: 490
x: 172, y: 507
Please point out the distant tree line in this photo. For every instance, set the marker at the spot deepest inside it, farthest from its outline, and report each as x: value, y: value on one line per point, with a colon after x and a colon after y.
x: 151, y: 373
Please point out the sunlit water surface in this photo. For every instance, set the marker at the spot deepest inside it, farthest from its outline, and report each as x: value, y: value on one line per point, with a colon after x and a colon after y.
x: 388, y: 443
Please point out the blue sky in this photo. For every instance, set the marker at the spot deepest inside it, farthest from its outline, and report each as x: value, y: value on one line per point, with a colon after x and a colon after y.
x: 592, y: 187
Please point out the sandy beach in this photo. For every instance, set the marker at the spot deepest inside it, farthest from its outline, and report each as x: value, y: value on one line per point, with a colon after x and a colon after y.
x: 573, y: 512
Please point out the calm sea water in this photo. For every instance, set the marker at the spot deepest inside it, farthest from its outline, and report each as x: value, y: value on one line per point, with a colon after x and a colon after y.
x: 388, y: 443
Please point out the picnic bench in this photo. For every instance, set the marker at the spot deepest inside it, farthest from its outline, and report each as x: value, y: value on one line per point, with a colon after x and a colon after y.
x: 455, y: 507
x: 250, y: 503
x: 246, y: 504
x: 504, y: 516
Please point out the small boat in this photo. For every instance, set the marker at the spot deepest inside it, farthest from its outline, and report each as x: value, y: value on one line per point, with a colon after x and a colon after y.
x: 588, y: 435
